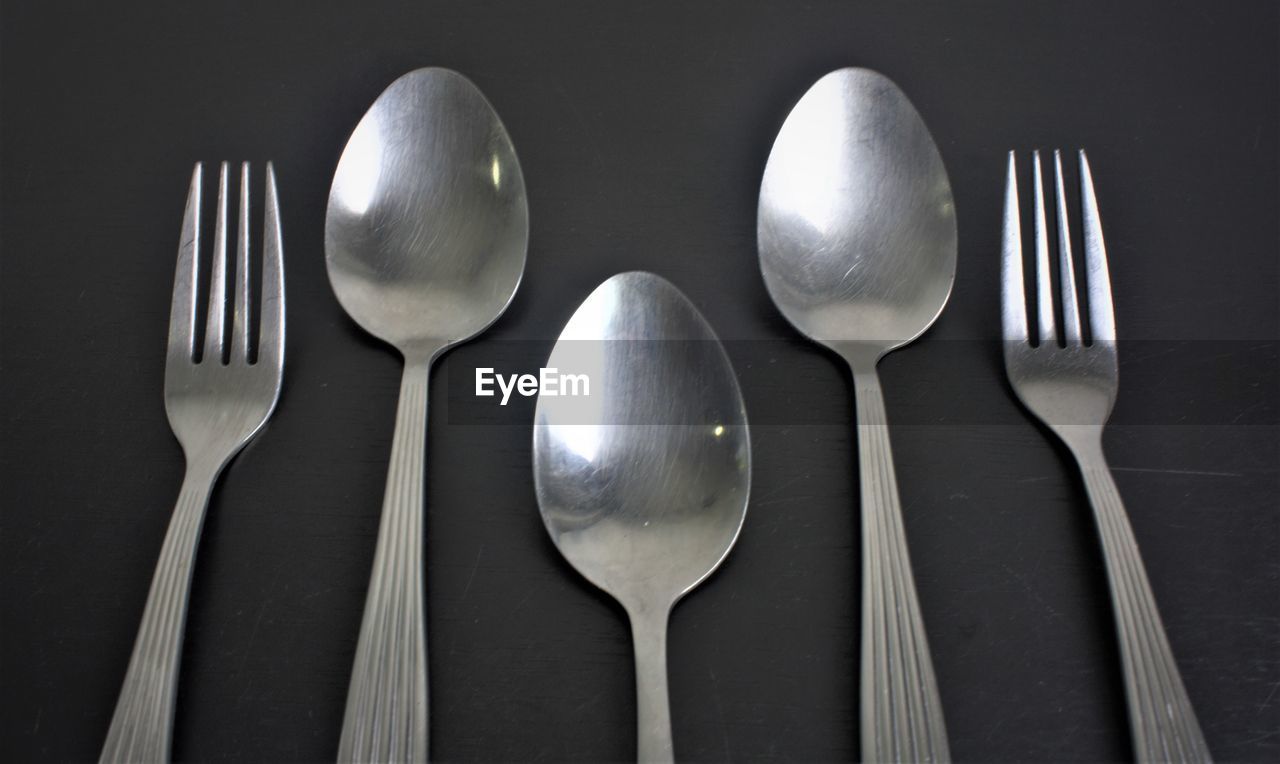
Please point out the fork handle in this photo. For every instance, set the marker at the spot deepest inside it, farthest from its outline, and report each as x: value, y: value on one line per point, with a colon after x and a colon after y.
x: 901, y: 708
x: 1163, y: 722
x: 142, y: 725
x: 386, y: 714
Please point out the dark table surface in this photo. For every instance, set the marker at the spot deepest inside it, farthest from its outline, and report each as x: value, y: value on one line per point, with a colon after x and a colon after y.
x: 642, y: 130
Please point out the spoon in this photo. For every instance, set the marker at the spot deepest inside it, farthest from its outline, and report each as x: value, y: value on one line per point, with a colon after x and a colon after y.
x: 425, y: 238
x: 857, y: 238
x: 643, y: 483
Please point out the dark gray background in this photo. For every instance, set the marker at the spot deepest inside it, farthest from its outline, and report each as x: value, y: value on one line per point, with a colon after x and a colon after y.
x: 642, y: 130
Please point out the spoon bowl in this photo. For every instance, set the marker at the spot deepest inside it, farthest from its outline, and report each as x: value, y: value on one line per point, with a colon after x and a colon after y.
x: 428, y: 223
x: 425, y: 239
x: 643, y: 487
x: 856, y: 225
x: 643, y: 483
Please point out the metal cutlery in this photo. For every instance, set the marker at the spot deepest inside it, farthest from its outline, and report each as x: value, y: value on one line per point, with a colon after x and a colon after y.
x: 218, y: 394
x: 1069, y: 379
x: 425, y: 238
x: 857, y: 239
x: 643, y: 483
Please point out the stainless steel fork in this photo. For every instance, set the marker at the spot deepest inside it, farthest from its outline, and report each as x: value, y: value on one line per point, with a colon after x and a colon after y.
x: 216, y: 401
x: 1071, y: 386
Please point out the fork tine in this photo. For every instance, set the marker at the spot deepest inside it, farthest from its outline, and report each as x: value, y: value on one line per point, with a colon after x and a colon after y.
x: 1014, y: 299
x: 182, y: 311
x: 1044, y: 287
x: 240, y: 309
x: 271, y: 339
x: 1066, y: 266
x: 213, y: 327
x: 1102, y: 319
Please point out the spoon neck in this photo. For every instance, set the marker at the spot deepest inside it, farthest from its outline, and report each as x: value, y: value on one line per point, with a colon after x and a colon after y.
x: 417, y: 361
x: 862, y: 359
x: 649, y: 622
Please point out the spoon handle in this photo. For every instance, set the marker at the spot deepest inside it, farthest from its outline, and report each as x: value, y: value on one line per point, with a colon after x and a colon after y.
x: 901, y: 709
x: 653, y: 710
x: 386, y: 715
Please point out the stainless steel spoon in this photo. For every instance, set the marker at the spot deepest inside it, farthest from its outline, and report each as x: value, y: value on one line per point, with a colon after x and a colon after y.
x: 425, y: 238
x: 643, y: 483
x: 857, y: 239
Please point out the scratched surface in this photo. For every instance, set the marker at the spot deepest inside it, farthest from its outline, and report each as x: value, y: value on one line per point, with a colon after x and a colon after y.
x: 642, y: 133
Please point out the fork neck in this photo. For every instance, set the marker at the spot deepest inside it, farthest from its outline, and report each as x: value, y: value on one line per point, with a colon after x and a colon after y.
x: 202, y: 468
x: 1084, y: 440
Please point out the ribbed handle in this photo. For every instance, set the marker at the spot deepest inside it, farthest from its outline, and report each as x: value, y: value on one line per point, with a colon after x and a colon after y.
x: 1164, y: 725
x: 901, y: 710
x: 386, y: 714
x: 142, y: 726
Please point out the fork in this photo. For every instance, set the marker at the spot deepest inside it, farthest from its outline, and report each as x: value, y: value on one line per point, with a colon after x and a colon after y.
x: 216, y: 400
x: 1071, y: 387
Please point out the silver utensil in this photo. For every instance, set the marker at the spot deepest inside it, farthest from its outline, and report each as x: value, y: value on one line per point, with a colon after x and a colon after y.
x: 857, y: 240
x: 1070, y: 385
x: 425, y: 238
x: 643, y: 484
x: 217, y: 399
